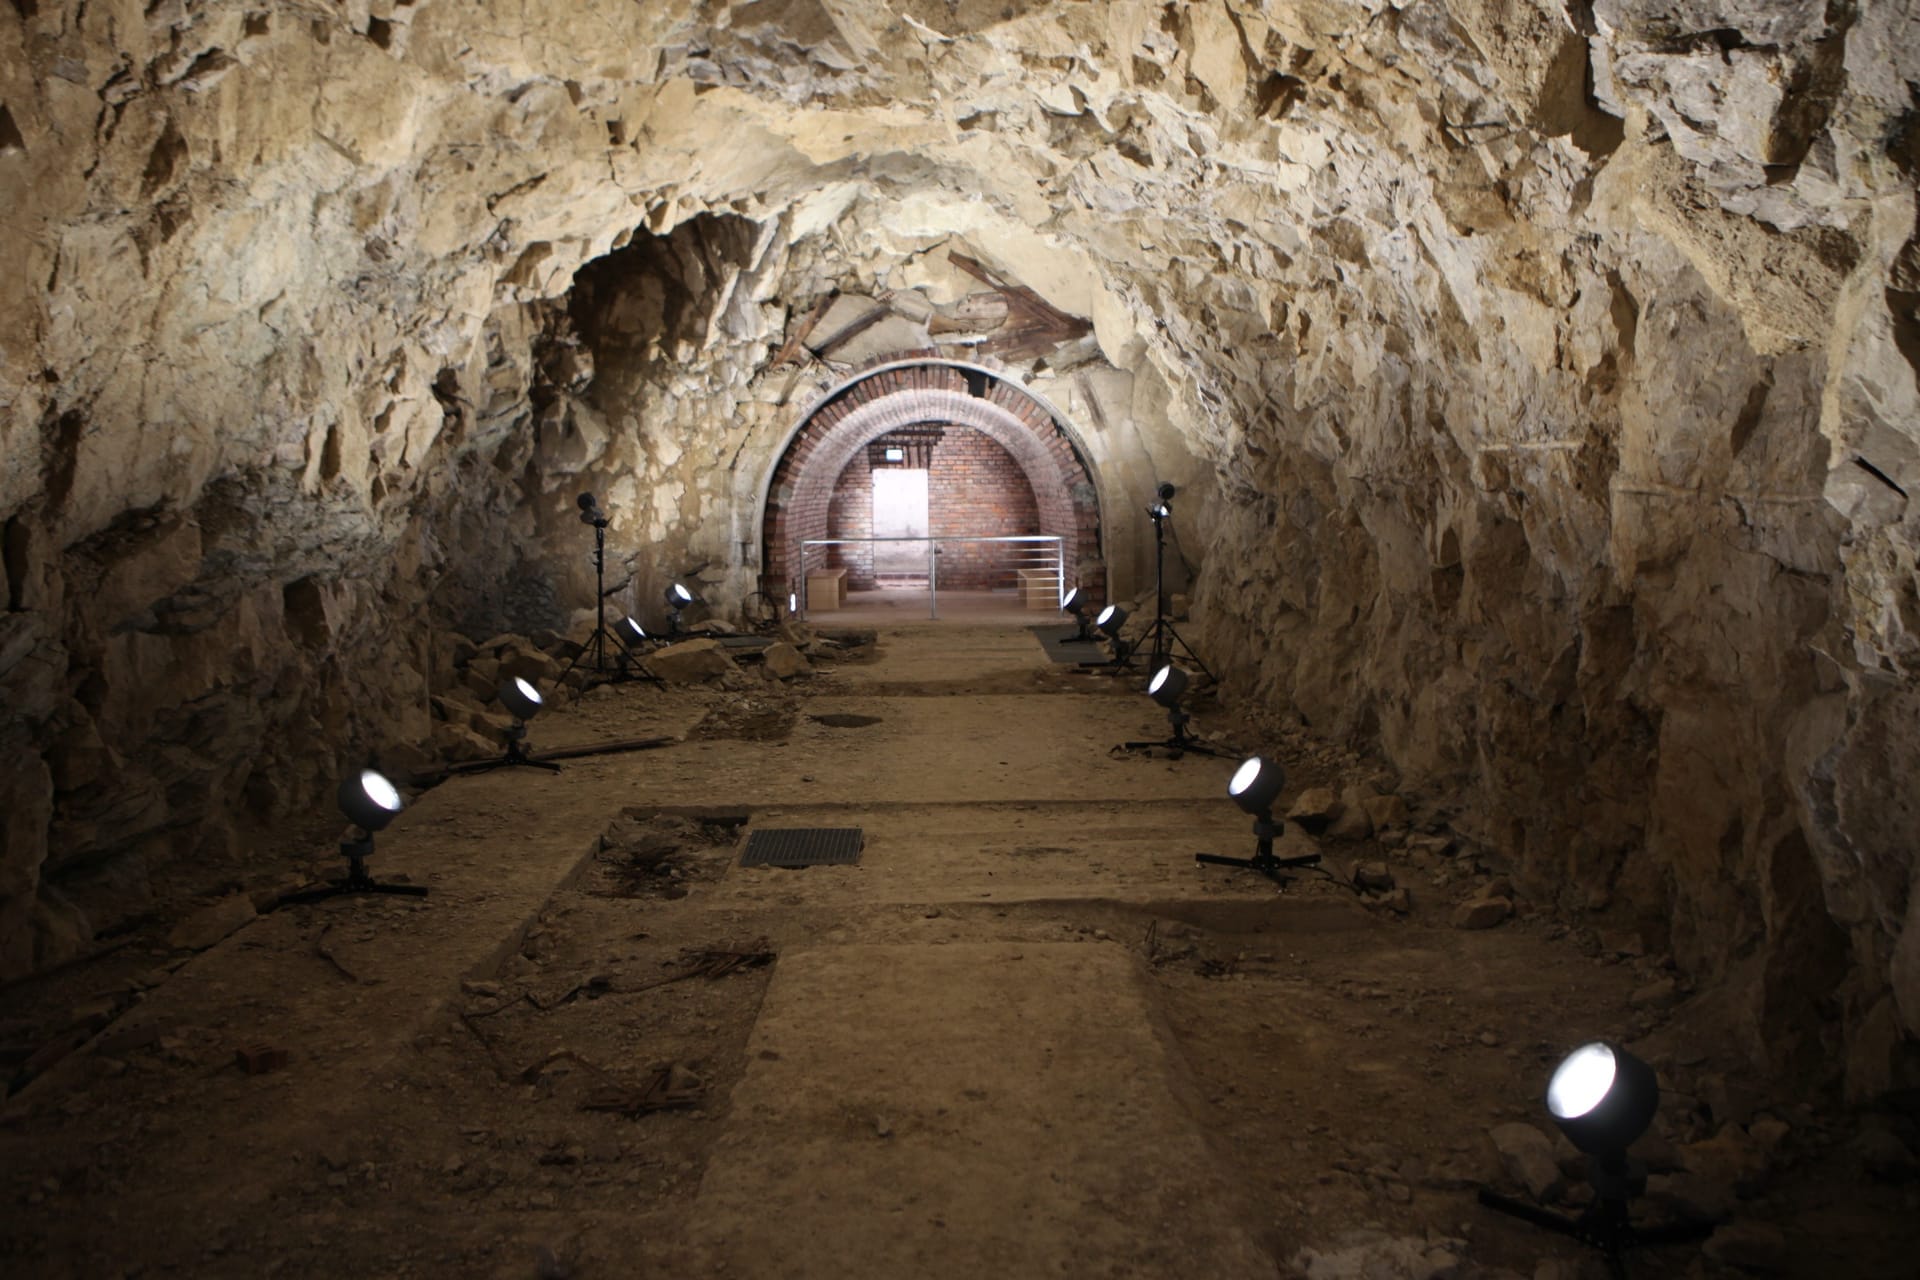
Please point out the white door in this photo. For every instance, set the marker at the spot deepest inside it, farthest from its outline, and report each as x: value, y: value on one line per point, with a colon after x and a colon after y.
x: 900, y: 511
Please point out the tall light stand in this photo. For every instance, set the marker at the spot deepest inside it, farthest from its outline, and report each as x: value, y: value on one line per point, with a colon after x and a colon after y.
x: 590, y: 513
x: 1161, y: 637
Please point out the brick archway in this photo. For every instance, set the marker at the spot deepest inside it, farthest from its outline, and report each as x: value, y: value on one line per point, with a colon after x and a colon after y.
x: 913, y: 390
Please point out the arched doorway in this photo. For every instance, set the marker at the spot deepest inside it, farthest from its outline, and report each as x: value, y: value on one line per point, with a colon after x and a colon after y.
x: 921, y: 397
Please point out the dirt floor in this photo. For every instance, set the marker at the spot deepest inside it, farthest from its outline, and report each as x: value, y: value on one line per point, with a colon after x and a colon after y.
x: 1025, y: 1035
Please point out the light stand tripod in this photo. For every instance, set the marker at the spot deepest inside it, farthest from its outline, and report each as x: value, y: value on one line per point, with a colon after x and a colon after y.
x: 597, y: 644
x: 356, y: 850
x: 1263, y: 859
x: 1178, y: 743
x: 1167, y: 688
x: 1161, y: 637
x: 516, y: 755
x: 1604, y: 1224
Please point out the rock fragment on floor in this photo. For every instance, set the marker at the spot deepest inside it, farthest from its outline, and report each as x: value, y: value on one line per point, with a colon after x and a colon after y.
x: 1316, y: 808
x: 1375, y: 877
x: 1526, y: 1154
x: 784, y: 662
x: 691, y: 661
x: 1751, y: 1246
x: 1375, y: 1255
x: 1481, y: 912
x: 1386, y: 811
x: 1885, y: 1157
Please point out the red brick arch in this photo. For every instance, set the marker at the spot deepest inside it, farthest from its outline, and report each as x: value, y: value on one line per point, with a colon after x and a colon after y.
x: 916, y: 390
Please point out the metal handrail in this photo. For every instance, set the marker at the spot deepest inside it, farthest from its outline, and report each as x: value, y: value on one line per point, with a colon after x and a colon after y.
x: 933, y: 572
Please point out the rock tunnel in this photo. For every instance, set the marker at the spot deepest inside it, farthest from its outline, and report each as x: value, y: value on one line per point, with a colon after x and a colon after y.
x: 1541, y: 381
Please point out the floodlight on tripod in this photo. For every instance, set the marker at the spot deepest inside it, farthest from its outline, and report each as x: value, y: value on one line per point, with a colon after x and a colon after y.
x: 1160, y: 639
x: 1075, y: 604
x: 678, y: 597
x: 1255, y: 785
x: 370, y: 802
x: 1603, y: 1099
x: 1167, y: 688
x: 596, y: 645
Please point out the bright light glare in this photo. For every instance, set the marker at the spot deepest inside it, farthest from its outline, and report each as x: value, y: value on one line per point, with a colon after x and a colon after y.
x: 527, y: 691
x: 681, y: 594
x: 1243, y: 778
x: 1580, y: 1082
x: 1105, y: 615
x: 1072, y: 597
x: 380, y: 791
x: 1159, y: 678
x: 793, y: 602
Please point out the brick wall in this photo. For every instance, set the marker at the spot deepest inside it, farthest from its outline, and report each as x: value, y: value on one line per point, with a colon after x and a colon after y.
x: 850, y: 515
x: 975, y: 489
x: 800, y: 500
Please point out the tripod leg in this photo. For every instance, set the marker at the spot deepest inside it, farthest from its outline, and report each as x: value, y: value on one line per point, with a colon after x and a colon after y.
x: 1180, y: 640
x: 408, y: 890
x: 1551, y: 1221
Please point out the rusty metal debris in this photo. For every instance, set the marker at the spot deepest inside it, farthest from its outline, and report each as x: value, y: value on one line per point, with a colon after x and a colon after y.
x: 259, y: 1059
x: 663, y: 1088
x: 693, y: 963
x: 321, y: 949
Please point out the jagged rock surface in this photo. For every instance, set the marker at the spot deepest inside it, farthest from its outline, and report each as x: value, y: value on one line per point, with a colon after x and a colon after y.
x: 1555, y: 370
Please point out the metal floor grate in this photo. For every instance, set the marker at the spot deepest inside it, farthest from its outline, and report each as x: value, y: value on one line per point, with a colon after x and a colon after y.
x: 802, y: 847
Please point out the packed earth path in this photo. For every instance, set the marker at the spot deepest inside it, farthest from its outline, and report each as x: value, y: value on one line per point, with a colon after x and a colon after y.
x: 1024, y: 1035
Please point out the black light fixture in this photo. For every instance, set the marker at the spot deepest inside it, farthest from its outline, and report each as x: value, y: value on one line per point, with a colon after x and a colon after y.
x: 1075, y: 604
x: 1110, y: 620
x: 634, y: 641
x: 1159, y: 508
x: 1168, y: 687
x: 1255, y: 786
x: 1603, y: 1098
x: 678, y: 598
x: 370, y: 802
x: 523, y: 702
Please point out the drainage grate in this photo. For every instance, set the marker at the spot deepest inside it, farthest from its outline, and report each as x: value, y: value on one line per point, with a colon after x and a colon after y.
x: 802, y: 847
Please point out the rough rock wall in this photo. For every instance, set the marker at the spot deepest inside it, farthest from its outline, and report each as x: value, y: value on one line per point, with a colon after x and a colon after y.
x: 1602, y: 426
x: 1557, y: 366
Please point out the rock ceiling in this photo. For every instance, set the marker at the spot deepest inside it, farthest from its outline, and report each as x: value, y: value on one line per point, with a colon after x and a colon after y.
x: 1555, y: 367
